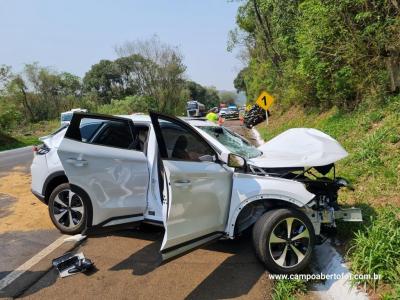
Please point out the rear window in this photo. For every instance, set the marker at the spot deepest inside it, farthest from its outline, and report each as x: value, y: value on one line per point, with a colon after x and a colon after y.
x: 111, y: 132
x: 66, y: 117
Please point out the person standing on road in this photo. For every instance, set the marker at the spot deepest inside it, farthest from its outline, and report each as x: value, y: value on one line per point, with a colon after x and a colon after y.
x: 212, y: 115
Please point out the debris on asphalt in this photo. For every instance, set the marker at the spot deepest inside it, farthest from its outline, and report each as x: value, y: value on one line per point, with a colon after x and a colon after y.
x: 70, y: 264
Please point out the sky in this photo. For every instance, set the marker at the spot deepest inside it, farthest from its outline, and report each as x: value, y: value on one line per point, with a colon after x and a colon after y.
x: 72, y: 35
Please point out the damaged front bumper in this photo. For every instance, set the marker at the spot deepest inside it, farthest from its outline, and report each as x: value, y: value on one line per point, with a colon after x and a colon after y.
x: 330, y: 216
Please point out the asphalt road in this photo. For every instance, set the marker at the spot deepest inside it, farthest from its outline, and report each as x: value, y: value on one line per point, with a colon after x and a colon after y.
x: 19, y: 242
x: 10, y: 159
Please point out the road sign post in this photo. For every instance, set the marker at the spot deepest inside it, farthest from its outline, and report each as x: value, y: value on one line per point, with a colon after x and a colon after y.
x: 265, y: 101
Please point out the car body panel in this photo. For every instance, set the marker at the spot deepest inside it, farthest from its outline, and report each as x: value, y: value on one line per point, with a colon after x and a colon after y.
x: 195, y: 206
x: 248, y: 188
x: 116, y: 180
x: 39, y: 173
x: 198, y: 206
x: 299, y: 147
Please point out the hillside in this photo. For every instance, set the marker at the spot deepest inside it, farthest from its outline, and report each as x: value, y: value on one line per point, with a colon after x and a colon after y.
x: 372, y: 138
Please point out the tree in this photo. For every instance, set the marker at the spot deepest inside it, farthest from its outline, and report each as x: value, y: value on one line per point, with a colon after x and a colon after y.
x: 103, y: 79
x: 18, y: 91
x: 42, y: 93
x: 5, y: 76
x: 227, y: 97
x: 160, y: 72
x: 206, y: 95
x: 319, y: 53
x: 239, y: 82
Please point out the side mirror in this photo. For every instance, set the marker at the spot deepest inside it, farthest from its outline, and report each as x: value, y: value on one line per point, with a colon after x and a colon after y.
x: 236, y: 161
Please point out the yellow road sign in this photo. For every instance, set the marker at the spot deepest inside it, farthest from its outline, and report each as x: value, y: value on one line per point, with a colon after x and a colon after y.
x: 248, y: 107
x: 265, y: 100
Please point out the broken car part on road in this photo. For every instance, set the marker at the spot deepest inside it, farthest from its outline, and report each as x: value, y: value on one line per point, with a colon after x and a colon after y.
x: 69, y: 264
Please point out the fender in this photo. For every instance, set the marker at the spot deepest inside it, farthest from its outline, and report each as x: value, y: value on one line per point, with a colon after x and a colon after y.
x: 247, y: 188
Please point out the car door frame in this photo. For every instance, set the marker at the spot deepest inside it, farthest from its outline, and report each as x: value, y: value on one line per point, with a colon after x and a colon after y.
x: 201, y: 240
x: 74, y: 130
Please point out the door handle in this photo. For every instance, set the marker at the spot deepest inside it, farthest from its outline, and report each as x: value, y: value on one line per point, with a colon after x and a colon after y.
x: 77, y: 162
x: 182, y: 183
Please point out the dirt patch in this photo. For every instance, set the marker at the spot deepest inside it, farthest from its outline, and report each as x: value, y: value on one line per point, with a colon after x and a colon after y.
x: 5, y: 205
x: 23, y: 212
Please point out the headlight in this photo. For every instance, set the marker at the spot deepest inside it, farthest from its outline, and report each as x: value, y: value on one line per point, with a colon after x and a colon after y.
x: 341, y: 182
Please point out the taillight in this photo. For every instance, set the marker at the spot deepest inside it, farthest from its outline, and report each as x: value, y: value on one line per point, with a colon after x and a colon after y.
x: 41, y: 149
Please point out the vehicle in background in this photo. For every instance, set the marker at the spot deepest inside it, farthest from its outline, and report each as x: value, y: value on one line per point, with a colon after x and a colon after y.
x: 195, y: 109
x: 230, y: 112
x: 223, y: 112
x: 254, y: 116
x: 66, y: 116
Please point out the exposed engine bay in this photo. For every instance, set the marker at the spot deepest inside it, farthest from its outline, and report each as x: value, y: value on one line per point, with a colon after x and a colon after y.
x: 324, y: 208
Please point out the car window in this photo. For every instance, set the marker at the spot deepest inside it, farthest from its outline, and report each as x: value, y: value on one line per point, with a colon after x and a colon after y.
x: 235, y: 143
x: 66, y: 117
x: 183, y: 144
x: 105, y: 132
x: 142, y: 133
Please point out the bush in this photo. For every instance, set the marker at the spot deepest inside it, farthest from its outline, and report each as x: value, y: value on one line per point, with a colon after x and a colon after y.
x: 128, y: 105
x: 9, y: 115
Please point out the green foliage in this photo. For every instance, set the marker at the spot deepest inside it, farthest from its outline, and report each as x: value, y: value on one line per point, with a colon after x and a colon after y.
x: 239, y: 82
x: 148, y: 75
x: 376, y: 248
x: 371, y: 136
x: 286, y: 289
x: 206, y: 95
x: 319, y: 53
x: 9, y: 115
x: 128, y: 105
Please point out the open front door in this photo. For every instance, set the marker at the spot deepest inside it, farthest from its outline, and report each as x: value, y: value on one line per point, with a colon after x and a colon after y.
x: 197, y: 189
x: 103, y: 162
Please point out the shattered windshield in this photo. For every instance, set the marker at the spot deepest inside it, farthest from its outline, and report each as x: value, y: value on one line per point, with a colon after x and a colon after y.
x: 232, y: 141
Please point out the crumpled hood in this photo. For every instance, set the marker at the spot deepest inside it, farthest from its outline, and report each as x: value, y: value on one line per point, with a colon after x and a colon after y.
x: 299, y: 147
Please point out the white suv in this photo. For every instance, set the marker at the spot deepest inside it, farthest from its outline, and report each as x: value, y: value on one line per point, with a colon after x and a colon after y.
x: 200, y: 181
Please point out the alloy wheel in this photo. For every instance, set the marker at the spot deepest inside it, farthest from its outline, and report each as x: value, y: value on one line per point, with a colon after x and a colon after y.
x: 68, y: 209
x: 289, y: 242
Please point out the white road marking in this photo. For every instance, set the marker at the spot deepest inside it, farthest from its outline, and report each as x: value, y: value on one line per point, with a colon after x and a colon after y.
x: 75, y: 238
x: 31, y: 262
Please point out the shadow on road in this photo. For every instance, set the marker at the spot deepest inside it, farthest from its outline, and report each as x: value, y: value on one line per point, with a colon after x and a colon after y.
x: 234, y: 277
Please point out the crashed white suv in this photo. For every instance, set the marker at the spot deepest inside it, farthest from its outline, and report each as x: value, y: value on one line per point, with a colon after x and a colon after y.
x: 187, y: 179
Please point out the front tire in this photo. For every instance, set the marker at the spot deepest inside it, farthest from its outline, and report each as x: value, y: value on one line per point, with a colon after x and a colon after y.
x: 283, y: 240
x: 68, y: 210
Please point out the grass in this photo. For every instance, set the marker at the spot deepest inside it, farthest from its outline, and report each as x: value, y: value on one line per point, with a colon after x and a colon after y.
x: 26, y: 135
x: 286, y: 289
x: 372, y: 138
x: 376, y: 248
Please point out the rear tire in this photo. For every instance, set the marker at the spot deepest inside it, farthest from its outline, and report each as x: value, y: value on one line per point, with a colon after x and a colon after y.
x: 68, y: 210
x: 283, y: 240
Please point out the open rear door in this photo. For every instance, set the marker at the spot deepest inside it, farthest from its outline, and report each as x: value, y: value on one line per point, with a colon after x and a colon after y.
x: 197, y: 187
x: 101, y: 161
